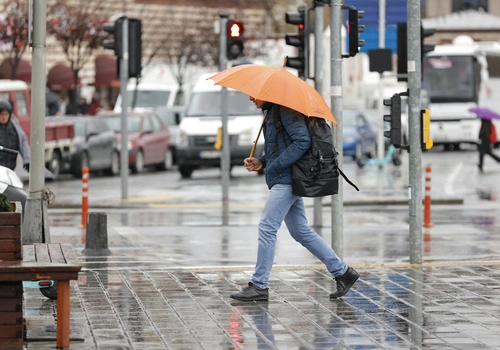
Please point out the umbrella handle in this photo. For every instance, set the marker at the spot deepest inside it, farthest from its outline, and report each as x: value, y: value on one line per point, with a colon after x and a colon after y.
x: 252, y: 152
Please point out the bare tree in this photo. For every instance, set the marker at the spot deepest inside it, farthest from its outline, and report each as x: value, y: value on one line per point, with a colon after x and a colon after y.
x: 190, y: 43
x: 78, y: 26
x: 14, y: 33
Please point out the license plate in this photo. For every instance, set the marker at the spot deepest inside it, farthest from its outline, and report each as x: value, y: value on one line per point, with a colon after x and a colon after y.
x: 210, y: 154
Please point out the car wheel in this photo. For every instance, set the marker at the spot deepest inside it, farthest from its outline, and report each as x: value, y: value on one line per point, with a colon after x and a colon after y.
x: 85, y: 161
x: 186, y: 171
x: 168, y: 162
x: 452, y: 146
x: 54, y: 164
x: 396, y: 160
x: 138, y: 167
x: 115, y: 165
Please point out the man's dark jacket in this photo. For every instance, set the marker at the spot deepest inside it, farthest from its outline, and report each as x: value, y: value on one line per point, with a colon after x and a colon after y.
x: 298, y: 141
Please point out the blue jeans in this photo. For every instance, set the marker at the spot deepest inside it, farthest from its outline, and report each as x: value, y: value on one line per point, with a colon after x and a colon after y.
x: 281, y: 205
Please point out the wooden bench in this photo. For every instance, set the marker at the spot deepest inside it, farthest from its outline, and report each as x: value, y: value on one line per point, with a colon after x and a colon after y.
x: 42, y: 261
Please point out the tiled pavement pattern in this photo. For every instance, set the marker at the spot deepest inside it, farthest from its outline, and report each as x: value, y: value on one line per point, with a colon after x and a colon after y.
x: 390, y: 307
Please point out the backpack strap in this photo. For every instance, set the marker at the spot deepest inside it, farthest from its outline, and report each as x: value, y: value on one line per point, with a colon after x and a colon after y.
x: 348, y: 181
x: 278, y: 124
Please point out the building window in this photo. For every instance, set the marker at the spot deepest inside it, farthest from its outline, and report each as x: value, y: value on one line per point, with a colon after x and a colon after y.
x: 460, y: 5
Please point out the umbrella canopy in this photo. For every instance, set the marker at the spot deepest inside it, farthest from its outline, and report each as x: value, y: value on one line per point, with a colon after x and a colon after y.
x: 277, y: 85
x: 485, y: 113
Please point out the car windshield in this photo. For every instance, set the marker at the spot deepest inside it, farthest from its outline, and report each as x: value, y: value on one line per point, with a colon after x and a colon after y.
x: 148, y: 98
x: 167, y: 116
x: 208, y: 104
x: 349, y: 120
x: 133, y: 124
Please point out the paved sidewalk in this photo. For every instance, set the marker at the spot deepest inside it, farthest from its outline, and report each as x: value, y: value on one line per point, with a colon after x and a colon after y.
x: 169, y: 287
x: 437, y: 306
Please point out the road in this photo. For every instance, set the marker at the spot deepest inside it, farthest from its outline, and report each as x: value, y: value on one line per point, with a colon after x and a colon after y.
x: 186, y: 213
x: 172, y: 200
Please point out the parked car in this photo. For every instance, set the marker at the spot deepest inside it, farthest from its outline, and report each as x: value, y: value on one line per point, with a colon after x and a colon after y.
x: 198, y: 130
x: 148, y: 139
x: 94, y: 147
x: 359, y: 137
x: 172, y: 117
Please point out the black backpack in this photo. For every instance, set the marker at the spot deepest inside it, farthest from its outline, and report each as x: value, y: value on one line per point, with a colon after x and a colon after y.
x: 316, y: 173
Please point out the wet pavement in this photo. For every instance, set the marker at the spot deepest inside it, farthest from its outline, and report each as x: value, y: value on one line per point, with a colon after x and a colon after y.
x: 167, y: 283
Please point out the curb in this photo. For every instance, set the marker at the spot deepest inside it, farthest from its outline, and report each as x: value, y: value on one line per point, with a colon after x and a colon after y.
x: 366, y: 201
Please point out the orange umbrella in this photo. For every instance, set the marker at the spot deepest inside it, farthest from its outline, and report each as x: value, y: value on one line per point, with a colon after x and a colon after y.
x: 277, y: 85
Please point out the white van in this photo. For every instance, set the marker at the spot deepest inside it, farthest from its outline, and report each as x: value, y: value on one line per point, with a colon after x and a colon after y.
x: 197, y: 131
x: 150, y: 96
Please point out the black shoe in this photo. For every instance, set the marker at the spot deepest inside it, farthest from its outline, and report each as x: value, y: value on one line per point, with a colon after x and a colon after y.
x: 251, y: 293
x: 480, y: 168
x: 345, y: 282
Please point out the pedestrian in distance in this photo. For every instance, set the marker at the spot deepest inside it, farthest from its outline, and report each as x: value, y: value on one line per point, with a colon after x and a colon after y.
x: 12, y: 136
x: 282, y: 205
x: 487, y: 138
x: 95, y: 105
x: 82, y: 106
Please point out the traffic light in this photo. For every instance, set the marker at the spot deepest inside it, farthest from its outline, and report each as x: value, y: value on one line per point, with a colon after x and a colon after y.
x: 403, y: 49
x: 298, y: 40
x: 402, y: 52
x: 134, y: 44
x: 423, y: 34
x: 117, y: 30
x: 134, y: 47
x: 354, y: 29
x: 394, y: 119
x: 234, y: 40
x: 425, y: 119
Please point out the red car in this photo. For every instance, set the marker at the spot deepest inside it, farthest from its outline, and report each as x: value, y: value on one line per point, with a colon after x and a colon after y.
x: 148, y: 140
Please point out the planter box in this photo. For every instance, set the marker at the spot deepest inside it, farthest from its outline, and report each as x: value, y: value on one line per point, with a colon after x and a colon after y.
x: 11, y: 294
x: 10, y: 233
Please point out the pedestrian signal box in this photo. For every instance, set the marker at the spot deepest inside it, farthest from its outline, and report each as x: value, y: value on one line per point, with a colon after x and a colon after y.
x: 218, y: 140
x: 427, y: 142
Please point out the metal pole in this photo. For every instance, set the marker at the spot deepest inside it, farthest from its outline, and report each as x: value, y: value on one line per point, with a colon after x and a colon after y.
x: 35, y: 225
x: 336, y: 103
x: 123, y: 92
x: 381, y: 45
x: 414, y: 81
x: 318, y: 85
x: 225, y: 156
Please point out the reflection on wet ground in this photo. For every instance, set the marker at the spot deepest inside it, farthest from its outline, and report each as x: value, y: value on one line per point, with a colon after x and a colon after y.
x: 371, y: 236
x: 439, y: 307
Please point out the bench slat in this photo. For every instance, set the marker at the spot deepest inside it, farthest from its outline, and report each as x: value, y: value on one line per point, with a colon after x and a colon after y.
x: 42, y: 253
x: 28, y: 253
x: 56, y: 255
x: 69, y: 254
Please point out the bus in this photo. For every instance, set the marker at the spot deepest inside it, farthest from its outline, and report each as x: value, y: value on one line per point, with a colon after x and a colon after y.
x: 458, y: 77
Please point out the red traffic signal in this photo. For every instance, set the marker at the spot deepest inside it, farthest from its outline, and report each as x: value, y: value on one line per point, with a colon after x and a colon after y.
x: 235, y: 40
x: 235, y: 29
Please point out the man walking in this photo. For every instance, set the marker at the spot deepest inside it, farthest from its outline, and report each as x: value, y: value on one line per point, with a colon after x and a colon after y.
x: 283, y: 205
x: 12, y: 136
